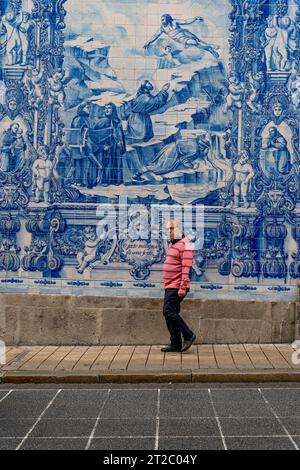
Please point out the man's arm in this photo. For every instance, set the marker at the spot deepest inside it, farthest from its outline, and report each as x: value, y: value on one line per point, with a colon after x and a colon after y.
x: 153, y: 39
x: 187, y: 262
x: 250, y: 175
x: 189, y: 21
x: 35, y: 168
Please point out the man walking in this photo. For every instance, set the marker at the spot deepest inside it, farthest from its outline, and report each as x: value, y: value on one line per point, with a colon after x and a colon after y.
x: 176, y: 273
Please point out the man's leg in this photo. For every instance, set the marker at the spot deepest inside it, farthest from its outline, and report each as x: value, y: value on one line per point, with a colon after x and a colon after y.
x: 171, y: 306
x: 183, y: 327
x: 175, y: 322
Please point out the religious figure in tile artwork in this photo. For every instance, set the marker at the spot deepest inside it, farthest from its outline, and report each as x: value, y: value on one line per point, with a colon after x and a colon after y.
x: 43, y: 171
x: 89, y: 254
x: 56, y: 87
x: 244, y: 173
x: 33, y: 80
x: 234, y: 98
x: 280, y: 43
x: 294, y: 88
x: 172, y: 29
x: 12, y: 148
x: 275, y: 156
x: 138, y: 112
x: 15, y: 29
x: 177, y: 155
x: 255, y: 82
x: 109, y: 146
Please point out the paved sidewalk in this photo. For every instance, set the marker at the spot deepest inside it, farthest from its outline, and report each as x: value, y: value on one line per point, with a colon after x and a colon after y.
x: 204, y: 363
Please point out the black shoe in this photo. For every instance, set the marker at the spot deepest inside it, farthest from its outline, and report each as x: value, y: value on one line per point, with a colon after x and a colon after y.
x: 187, y: 344
x: 169, y: 348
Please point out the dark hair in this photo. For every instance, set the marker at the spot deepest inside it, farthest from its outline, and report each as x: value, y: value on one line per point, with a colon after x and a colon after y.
x: 80, y: 109
x: 114, y: 110
x: 168, y: 17
x: 143, y: 88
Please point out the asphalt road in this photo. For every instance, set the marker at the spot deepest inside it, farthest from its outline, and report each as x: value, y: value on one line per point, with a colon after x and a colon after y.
x: 150, y: 417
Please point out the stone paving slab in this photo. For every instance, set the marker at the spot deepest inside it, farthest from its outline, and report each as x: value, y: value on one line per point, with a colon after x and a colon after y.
x: 103, y: 364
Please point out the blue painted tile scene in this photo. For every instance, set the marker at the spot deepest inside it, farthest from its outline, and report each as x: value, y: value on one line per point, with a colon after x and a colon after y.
x: 117, y: 114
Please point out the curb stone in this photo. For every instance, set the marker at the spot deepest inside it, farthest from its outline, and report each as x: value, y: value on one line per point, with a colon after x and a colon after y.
x: 46, y: 377
x: 278, y: 375
x: 122, y: 377
x: 146, y: 377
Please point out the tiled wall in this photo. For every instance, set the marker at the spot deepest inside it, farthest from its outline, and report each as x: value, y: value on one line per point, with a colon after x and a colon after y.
x: 114, y: 112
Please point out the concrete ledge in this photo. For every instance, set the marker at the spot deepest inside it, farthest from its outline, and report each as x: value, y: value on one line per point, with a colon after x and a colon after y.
x: 40, y: 319
x: 233, y: 376
x: 188, y: 376
x: 146, y: 377
x: 23, y: 377
x: 46, y: 377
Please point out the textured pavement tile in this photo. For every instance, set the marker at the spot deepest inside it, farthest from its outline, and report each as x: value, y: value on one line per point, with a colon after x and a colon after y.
x: 9, y: 444
x: 131, y: 404
x: 88, y: 358
x: 56, y: 358
x: 191, y: 443
x: 275, y: 357
x: 63, y: 428
x: 155, y: 359
x: 286, y: 351
x: 122, y: 358
x: 25, y: 404
x: 122, y: 444
x: 39, y: 358
x: 251, y: 427
x: 125, y: 427
x: 223, y: 357
x: 240, y: 403
x: 190, y: 359
x: 105, y: 358
x: 3, y: 393
x: 292, y: 425
x: 250, y: 410
x: 261, y: 443
x: 237, y: 395
x: 139, y: 358
x: 72, y: 358
x: 206, y: 356
x: 297, y: 440
x: 54, y: 444
x: 257, y: 356
x: 15, y: 427
x: 284, y: 402
x: 172, y: 361
x: 77, y: 404
x: 188, y: 427
x: 240, y: 357
x: 185, y: 403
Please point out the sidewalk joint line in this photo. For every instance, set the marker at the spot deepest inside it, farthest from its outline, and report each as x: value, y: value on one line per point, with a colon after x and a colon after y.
x: 39, y: 419
x: 217, y: 419
x: 269, y: 406
x: 97, y: 421
x: 157, y: 421
x: 6, y: 395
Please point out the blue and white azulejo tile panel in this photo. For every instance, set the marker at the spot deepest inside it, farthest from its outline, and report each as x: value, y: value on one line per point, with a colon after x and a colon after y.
x: 116, y: 115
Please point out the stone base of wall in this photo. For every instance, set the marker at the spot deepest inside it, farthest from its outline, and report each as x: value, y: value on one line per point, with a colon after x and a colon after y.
x: 80, y: 320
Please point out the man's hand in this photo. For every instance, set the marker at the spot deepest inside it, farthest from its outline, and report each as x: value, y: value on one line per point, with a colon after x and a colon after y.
x: 181, y: 293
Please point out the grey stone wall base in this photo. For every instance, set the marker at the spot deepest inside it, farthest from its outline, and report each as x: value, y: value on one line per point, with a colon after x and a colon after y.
x: 35, y: 319
x: 121, y: 377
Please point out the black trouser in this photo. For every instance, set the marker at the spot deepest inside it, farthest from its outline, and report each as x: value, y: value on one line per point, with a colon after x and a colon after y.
x: 176, y: 325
